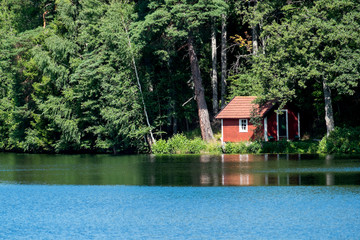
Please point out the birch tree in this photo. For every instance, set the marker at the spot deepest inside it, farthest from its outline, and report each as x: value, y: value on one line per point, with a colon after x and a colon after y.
x: 214, y: 72
x: 223, y: 58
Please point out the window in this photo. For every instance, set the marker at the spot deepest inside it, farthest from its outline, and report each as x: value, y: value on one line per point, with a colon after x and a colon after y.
x: 243, y: 125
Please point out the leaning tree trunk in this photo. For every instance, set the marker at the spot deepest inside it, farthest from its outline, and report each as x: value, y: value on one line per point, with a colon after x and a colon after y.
x: 151, y: 139
x: 329, y: 116
x: 205, y: 127
x: 214, y: 80
x: 223, y: 60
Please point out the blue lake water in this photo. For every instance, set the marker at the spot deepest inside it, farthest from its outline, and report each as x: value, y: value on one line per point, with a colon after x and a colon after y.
x: 179, y: 197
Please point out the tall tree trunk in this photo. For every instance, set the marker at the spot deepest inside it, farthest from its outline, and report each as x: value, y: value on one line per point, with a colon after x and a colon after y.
x: 205, y: 127
x: 329, y: 116
x: 44, y: 19
x: 172, y: 94
x: 214, y: 80
x: 255, y: 40
x: 223, y: 59
x: 254, y: 32
x: 263, y: 39
x: 152, y: 139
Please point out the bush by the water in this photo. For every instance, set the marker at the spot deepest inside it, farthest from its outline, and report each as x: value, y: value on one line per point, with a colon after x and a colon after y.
x: 290, y: 147
x: 242, y: 147
x: 341, y: 140
x: 178, y: 144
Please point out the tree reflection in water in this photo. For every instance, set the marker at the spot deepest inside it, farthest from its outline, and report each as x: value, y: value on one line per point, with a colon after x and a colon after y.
x: 181, y: 170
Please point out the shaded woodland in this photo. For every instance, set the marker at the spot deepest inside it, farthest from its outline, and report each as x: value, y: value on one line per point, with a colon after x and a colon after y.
x: 116, y: 76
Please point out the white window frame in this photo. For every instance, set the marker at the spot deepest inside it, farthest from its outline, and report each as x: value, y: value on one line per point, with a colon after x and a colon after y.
x: 240, y: 125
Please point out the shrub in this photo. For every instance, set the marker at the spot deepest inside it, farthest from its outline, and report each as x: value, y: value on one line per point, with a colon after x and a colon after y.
x: 213, y: 148
x: 341, y: 140
x: 323, y: 145
x: 178, y: 143
x: 254, y: 147
x: 345, y: 140
x: 195, y: 146
x: 305, y: 147
x: 290, y: 147
x: 160, y: 147
x: 274, y: 147
x: 239, y: 147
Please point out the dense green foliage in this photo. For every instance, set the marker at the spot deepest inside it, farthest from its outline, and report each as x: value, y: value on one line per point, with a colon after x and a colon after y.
x: 71, y: 85
x: 291, y: 147
x: 68, y: 82
x: 341, y: 140
x: 303, y: 45
x: 179, y: 144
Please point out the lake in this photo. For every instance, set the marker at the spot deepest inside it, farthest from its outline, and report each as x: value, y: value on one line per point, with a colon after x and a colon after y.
x: 179, y: 197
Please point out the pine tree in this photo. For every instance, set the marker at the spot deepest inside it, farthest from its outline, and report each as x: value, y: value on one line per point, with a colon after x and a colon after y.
x: 183, y: 21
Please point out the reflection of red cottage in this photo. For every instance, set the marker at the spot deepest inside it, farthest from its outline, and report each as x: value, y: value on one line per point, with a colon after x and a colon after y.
x: 236, y: 125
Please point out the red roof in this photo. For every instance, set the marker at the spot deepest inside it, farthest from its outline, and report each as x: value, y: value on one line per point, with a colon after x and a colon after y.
x: 241, y: 107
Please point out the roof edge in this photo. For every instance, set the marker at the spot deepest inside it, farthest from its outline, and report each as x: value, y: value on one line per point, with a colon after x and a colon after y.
x: 223, y: 108
x: 270, y: 106
x: 229, y: 103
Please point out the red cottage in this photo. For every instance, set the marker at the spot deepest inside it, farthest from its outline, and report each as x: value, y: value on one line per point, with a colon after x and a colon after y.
x: 236, y: 125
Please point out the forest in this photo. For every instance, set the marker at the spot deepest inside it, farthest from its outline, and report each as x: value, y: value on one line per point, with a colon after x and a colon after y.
x: 117, y: 75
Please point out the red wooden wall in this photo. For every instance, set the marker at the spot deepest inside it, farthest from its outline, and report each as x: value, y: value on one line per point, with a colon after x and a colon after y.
x: 231, y: 131
x: 292, y: 124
